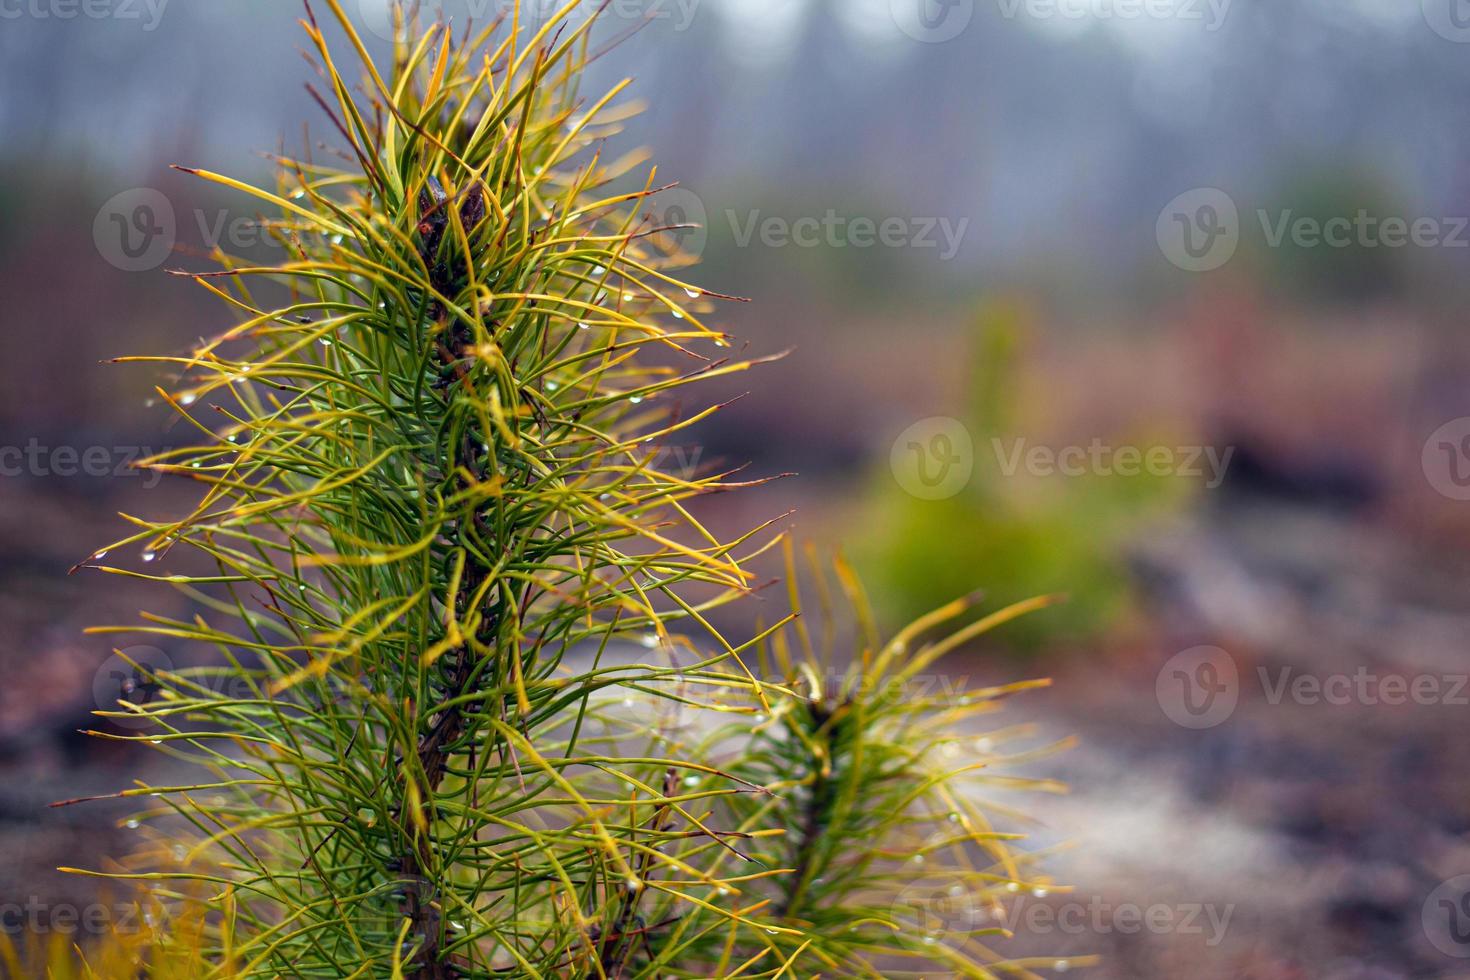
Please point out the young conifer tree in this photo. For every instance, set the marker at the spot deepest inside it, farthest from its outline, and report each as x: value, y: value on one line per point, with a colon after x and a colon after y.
x: 432, y: 527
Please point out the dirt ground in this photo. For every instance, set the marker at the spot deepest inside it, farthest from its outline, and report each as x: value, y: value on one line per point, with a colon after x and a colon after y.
x: 1287, y: 839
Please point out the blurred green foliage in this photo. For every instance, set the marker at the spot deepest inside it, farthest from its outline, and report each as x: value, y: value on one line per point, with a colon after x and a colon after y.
x: 1313, y: 257
x: 1012, y: 536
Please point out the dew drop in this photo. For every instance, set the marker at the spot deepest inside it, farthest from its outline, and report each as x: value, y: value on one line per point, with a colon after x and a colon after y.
x: 1039, y: 892
x: 628, y: 297
x: 928, y: 940
x: 131, y: 825
x: 954, y: 818
x: 1011, y: 886
x: 149, y: 556
x: 678, y: 315
x: 722, y: 890
x: 650, y: 640
x: 773, y: 931
x: 187, y: 398
x: 693, y: 293
x: 691, y: 780
x: 1062, y: 966
x: 918, y: 859
x: 633, y: 883
x: 100, y: 555
x: 956, y: 889
x: 324, y: 341
x: 583, y: 326
x: 598, y: 270
x: 636, y: 399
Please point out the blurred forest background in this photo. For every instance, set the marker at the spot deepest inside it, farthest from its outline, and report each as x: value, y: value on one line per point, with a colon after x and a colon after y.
x: 1054, y: 143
